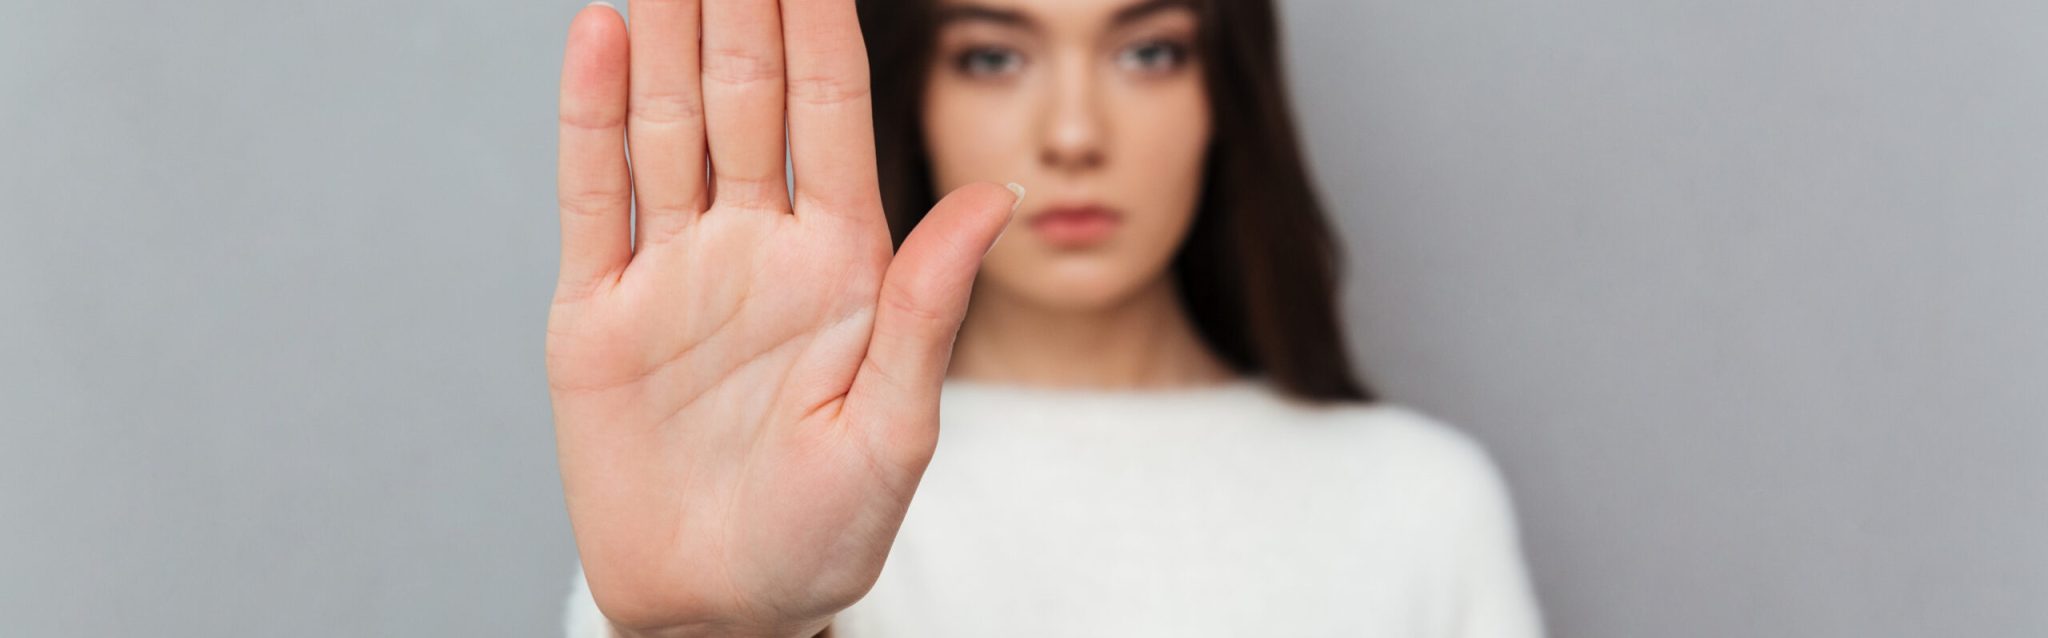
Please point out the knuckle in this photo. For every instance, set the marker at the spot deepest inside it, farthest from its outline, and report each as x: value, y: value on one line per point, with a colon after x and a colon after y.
x: 920, y: 317
x: 660, y: 225
x: 672, y: 206
x: 590, y: 120
x: 741, y: 66
x: 666, y: 107
x: 828, y: 90
x: 591, y: 203
x: 753, y: 193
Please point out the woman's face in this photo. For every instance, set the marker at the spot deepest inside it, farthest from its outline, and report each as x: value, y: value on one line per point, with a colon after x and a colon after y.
x: 1098, y: 108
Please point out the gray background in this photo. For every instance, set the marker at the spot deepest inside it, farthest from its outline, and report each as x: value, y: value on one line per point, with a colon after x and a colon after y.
x: 1747, y: 297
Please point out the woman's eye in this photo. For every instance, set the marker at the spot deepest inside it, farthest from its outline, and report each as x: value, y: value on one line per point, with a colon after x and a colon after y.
x: 1154, y: 56
x: 988, y: 61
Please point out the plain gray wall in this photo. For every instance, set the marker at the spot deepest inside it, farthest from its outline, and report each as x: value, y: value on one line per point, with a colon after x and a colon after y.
x: 1747, y: 297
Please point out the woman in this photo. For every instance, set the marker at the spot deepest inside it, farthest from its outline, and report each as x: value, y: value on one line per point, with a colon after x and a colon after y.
x: 1151, y: 425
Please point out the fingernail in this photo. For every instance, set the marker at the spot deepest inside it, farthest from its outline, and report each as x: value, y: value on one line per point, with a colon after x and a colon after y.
x: 1018, y: 190
x: 607, y: 5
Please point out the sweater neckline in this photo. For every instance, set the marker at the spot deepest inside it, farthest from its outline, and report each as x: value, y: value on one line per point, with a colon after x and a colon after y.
x: 1242, y: 384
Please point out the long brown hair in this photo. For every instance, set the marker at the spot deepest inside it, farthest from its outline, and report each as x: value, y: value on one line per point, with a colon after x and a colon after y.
x: 1258, y: 270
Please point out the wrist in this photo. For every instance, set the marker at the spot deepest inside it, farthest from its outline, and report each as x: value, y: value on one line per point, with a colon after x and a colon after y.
x: 792, y: 630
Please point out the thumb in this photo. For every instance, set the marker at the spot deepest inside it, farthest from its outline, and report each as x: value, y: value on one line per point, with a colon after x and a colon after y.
x: 923, y: 299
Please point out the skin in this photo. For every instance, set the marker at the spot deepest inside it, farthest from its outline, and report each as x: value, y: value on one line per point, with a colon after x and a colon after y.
x: 746, y: 386
x: 1088, y: 101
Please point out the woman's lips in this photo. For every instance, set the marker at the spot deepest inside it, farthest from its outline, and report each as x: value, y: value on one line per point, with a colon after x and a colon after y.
x: 1075, y: 225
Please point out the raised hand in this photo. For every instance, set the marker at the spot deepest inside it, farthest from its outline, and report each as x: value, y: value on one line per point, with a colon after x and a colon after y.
x: 745, y: 382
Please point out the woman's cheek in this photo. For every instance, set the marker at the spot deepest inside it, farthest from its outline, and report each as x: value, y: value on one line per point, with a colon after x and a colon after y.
x: 1174, y: 129
x: 973, y: 135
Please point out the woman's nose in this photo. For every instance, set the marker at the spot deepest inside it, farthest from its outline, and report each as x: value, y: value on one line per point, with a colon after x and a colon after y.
x: 1073, y: 132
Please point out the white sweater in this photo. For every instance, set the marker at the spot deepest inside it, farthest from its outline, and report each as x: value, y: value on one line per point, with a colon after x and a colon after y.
x: 1218, y: 511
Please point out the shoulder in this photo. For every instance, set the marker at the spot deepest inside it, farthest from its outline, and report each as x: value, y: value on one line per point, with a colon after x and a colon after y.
x: 1396, y: 433
x: 1421, y: 442
x: 1420, y: 462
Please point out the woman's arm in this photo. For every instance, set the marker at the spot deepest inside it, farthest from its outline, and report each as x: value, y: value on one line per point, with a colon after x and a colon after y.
x: 1495, y: 598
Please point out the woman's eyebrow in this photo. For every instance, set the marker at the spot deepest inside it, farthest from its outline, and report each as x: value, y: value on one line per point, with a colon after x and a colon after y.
x: 1147, y: 8
x: 979, y: 13
x: 1010, y: 17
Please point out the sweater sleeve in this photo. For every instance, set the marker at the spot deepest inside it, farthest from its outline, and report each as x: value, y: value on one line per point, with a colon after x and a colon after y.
x: 1495, y: 597
x: 580, y: 616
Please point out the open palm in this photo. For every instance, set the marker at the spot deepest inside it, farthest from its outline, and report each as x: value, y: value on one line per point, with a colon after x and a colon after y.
x: 745, y: 382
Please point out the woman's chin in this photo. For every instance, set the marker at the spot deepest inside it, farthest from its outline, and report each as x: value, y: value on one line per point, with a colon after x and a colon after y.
x: 1072, y: 292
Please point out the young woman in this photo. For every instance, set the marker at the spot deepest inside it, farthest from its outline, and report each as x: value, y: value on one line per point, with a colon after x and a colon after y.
x: 1150, y: 424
